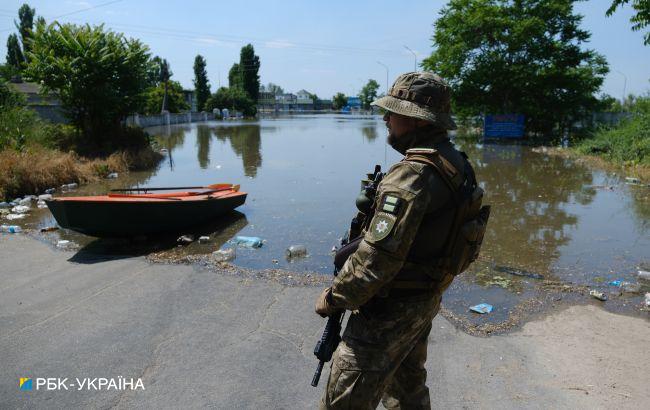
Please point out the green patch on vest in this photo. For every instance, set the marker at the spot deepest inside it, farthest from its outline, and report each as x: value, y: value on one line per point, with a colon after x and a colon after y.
x: 381, y: 226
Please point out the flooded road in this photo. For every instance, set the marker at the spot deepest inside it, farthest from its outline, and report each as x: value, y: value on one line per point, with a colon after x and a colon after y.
x: 554, y: 221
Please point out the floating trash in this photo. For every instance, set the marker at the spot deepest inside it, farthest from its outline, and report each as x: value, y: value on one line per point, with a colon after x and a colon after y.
x: 643, y: 274
x: 598, y: 295
x: 632, y: 180
x: 27, y: 201
x: 45, y: 197
x: 204, y: 239
x: 41, y: 205
x: 4, y: 205
x: 112, y: 175
x: 50, y: 191
x: 185, y: 239
x: 647, y: 300
x: 481, y: 308
x: 50, y: 229
x: 20, y: 209
x: 224, y: 255
x: 248, y: 241
x: 63, y: 243
x: 13, y: 217
x: 518, y: 272
x: 617, y: 283
x: 295, y: 251
x: 10, y: 229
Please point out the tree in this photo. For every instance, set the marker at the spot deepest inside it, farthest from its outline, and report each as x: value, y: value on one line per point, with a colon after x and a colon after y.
x: 640, y: 20
x: 339, y: 101
x: 522, y: 56
x: 249, y: 65
x: 232, y: 99
x: 368, y: 93
x: 15, y: 56
x: 234, y: 77
x: 25, y: 26
x: 274, y: 89
x: 98, y: 75
x: 165, y: 75
x: 175, y: 99
x: 201, y: 85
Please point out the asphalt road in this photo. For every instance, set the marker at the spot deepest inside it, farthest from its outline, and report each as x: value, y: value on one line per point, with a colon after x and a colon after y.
x: 201, y: 339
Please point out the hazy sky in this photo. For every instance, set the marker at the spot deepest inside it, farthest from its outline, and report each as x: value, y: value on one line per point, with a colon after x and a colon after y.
x: 323, y: 47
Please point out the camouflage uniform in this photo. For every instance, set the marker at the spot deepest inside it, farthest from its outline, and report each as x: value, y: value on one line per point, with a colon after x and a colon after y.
x: 393, y: 293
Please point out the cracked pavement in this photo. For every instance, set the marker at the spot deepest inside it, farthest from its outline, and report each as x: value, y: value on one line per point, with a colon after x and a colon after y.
x: 202, y: 339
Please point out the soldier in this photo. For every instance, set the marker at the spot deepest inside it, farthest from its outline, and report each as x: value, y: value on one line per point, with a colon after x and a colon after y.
x: 394, y: 282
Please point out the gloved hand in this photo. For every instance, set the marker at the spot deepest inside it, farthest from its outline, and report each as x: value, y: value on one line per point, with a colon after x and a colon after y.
x: 324, y: 304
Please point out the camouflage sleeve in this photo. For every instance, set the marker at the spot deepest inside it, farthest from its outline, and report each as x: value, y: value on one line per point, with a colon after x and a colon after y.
x: 401, y: 202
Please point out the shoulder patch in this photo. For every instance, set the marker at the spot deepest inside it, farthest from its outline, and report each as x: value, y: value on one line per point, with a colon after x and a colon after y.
x: 381, y: 226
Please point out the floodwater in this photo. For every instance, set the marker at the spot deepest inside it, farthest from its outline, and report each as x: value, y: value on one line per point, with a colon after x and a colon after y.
x: 554, y: 220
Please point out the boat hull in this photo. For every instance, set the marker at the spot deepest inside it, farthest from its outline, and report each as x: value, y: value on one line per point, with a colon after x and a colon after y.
x: 120, y: 218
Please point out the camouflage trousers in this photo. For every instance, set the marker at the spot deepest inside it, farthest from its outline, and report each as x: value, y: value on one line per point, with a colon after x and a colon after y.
x: 382, y: 356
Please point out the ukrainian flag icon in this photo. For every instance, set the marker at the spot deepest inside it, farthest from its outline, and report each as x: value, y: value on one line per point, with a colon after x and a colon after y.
x: 25, y: 383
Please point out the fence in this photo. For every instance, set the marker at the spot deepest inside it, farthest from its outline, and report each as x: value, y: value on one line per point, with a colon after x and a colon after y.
x: 167, y: 119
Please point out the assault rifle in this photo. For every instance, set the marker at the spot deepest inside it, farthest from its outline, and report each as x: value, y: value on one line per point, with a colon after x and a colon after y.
x: 331, y: 337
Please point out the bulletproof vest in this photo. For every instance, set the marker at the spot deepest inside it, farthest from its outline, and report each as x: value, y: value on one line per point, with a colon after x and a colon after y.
x: 450, y: 235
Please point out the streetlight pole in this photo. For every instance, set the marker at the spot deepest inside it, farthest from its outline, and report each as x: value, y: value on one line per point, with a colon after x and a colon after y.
x: 415, y: 56
x: 624, y: 85
x: 386, y: 67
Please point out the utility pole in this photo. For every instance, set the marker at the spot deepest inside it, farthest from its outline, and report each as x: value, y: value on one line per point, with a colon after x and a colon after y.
x: 415, y: 56
x: 386, y: 67
x: 624, y: 85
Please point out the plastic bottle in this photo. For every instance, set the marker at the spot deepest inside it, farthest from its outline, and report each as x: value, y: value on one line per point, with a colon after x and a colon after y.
x: 11, y: 228
x: 643, y: 274
x: 224, y: 255
x: 248, y: 241
x: 296, y: 251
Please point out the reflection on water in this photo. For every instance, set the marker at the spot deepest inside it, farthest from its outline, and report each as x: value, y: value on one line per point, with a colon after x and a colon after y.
x: 246, y: 141
x: 551, y: 216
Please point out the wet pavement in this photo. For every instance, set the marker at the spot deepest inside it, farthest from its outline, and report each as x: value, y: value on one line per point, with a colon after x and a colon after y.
x: 558, y: 227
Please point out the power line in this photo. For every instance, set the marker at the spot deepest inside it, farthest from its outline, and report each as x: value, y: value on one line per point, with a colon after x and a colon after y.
x: 75, y: 12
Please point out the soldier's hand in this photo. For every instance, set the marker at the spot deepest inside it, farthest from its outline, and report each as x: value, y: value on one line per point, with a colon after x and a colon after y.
x: 324, y: 304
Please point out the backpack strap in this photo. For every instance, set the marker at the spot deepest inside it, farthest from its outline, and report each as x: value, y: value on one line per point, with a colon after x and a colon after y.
x: 448, y: 173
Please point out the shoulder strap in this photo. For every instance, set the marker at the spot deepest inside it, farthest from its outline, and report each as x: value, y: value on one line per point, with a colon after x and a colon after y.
x: 445, y: 169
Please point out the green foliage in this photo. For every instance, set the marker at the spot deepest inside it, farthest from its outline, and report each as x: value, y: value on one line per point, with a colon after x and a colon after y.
x: 339, y: 101
x: 249, y: 65
x: 25, y: 26
x: 232, y: 99
x: 10, y: 99
x: 640, y: 20
x: 273, y: 89
x: 175, y: 98
x: 234, y: 77
x: 8, y: 71
x: 201, y: 84
x: 15, y: 57
x: 627, y: 143
x: 524, y: 56
x: 21, y: 127
x: 99, y: 76
x: 368, y: 93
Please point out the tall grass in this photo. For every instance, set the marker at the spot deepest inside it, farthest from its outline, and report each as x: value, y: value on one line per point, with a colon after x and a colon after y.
x: 626, y: 144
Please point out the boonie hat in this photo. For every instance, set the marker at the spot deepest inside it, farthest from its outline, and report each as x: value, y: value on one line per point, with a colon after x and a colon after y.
x: 422, y: 95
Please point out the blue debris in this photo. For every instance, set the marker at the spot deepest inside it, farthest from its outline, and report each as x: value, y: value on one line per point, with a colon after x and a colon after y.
x: 617, y: 283
x: 248, y: 241
x: 481, y: 308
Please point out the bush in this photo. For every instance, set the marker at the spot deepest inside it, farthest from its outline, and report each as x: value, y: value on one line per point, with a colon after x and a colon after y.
x: 627, y: 143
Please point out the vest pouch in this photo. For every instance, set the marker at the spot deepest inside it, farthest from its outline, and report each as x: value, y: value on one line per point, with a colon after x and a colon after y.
x: 467, y: 246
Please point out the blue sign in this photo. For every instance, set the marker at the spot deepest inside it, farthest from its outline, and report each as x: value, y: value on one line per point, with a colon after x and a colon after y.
x: 503, y: 126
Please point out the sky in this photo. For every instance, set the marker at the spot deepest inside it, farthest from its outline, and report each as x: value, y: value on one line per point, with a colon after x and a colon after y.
x: 322, y: 47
